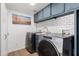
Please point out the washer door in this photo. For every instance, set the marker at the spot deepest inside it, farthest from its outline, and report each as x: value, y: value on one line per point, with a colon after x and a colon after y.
x: 45, y: 48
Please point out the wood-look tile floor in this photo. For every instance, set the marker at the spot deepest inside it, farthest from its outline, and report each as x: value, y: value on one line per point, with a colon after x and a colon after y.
x: 22, y: 52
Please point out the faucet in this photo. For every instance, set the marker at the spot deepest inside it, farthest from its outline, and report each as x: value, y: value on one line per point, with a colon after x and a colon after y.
x: 44, y: 27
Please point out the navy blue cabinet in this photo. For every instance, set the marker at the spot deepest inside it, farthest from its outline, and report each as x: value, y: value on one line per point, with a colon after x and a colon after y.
x: 57, y: 8
x: 71, y: 6
x: 53, y: 10
x: 36, y: 18
x: 40, y: 15
x: 46, y: 11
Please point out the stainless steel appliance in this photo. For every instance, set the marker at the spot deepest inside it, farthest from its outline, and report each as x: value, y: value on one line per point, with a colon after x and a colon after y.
x: 55, y: 46
x: 46, y: 47
x: 31, y: 42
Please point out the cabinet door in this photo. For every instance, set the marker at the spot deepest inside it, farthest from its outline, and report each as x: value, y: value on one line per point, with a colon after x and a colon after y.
x: 36, y: 17
x: 57, y: 8
x: 46, y: 11
x: 71, y: 6
x: 40, y: 15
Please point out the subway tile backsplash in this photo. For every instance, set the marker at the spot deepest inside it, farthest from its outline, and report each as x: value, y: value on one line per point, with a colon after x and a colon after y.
x: 59, y: 24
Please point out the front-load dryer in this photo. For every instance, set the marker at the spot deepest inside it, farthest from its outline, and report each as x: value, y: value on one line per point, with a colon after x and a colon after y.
x: 49, y: 46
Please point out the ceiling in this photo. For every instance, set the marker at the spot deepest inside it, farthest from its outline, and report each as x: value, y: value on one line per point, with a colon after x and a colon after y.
x: 26, y: 8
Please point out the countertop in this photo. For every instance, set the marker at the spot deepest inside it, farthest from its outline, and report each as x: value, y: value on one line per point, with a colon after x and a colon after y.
x: 59, y: 35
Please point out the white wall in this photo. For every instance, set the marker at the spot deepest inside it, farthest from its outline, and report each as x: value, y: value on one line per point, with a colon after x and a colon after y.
x: 3, y: 29
x: 59, y: 24
x: 17, y: 33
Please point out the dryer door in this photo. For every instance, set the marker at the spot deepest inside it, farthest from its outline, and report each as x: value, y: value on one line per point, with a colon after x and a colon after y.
x: 45, y: 48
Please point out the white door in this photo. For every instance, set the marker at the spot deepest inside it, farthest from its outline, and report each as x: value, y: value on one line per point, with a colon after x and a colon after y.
x: 4, y: 41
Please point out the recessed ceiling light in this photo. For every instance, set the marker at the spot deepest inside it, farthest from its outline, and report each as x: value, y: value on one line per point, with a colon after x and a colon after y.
x: 32, y: 4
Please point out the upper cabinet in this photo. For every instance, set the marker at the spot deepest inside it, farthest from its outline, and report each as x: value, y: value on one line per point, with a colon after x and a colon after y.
x: 43, y: 14
x: 46, y: 11
x: 71, y: 6
x: 57, y: 8
x: 40, y: 15
x: 53, y: 10
x: 36, y: 18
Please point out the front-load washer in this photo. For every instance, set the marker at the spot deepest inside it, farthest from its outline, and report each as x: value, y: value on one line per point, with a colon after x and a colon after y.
x: 49, y: 46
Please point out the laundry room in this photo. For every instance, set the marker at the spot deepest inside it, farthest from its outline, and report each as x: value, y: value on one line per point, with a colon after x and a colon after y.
x: 39, y: 29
